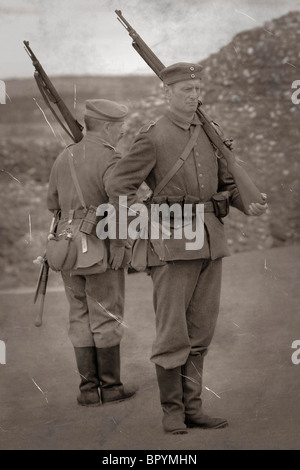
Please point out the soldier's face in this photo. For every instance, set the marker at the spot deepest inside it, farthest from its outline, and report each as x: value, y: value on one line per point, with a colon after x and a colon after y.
x: 183, y: 96
x: 116, y: 131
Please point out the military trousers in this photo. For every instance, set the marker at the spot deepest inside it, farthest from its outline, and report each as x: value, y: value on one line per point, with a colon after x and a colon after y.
x: 186, y: 297
x: 96, y: 308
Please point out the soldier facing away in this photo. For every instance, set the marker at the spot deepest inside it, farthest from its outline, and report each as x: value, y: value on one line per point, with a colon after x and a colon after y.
x: 94, y: 290
x: 186, y: 283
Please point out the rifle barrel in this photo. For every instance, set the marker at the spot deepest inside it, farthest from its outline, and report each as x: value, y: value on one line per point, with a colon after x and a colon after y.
x: 141, y: 47
x: 74, y: 126
x: 123, y: 21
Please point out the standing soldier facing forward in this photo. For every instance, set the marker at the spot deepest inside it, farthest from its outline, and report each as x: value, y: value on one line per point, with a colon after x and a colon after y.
x: 95, y: 291
x: 186, y: 283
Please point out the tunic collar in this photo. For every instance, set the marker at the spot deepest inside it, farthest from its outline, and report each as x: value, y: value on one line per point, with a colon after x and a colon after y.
x: 181, y: 122
x: 97, y: 139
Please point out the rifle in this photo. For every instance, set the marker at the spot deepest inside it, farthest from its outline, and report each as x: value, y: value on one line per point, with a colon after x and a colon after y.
x: 248, y: 191
x: 50, y: 94
x: 42, y: 281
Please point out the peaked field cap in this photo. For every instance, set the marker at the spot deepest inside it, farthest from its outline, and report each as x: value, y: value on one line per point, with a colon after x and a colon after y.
x: 105, y: 110
x: 179, y: 72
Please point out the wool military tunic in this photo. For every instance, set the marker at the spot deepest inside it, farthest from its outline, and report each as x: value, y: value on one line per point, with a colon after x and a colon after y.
x: 154, y: 152
x: 94, y: 159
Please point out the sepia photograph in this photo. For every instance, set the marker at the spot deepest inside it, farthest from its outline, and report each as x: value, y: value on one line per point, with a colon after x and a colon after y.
x: 149, y: 227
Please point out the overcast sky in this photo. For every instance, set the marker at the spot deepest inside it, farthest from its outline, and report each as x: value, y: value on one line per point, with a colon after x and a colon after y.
x: 78, y: 37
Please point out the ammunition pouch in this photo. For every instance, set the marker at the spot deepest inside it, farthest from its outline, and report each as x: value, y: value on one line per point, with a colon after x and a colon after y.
x: 89, y: 222
x: 221, y: 203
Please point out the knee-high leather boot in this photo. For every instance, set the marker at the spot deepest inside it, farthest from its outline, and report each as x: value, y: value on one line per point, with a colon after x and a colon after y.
x: 112, y: 389
x: 86, y: 360
x: 171, y: 398
x: 192, y: 387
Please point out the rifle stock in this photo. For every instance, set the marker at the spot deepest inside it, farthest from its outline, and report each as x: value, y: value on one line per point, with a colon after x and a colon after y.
x: 247, y: 189
x: 42, y: 281
x: 249, y: 193
x: 50, y: 93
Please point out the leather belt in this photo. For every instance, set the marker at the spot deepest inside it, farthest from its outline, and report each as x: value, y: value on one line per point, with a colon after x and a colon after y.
x: 78, y: 214
x: 208, y: 206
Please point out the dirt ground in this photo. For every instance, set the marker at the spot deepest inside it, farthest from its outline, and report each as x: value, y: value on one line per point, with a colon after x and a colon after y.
x: 249, y: 376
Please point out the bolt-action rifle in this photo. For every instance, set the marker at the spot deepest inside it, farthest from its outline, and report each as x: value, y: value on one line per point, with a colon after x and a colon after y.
x: 50, y: 95
x: 74, y: 130
x: 248, y: 191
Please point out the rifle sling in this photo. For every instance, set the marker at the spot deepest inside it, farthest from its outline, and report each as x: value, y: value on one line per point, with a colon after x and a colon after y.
x: 75, y: 180
x: 39, y: 82
x: 191, y: 143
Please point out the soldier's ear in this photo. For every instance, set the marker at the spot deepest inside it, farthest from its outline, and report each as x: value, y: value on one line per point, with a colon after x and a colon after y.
x: 106, y: 126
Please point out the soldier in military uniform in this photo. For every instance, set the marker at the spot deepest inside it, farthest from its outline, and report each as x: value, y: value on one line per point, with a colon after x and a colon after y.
x: 186, y: 283
x: 94, y: 290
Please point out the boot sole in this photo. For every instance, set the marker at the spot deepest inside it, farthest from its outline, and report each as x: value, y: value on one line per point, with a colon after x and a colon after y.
x: 89, y: 405
x: 119, y: 400
x: 179, y: 431
x: 204, y: 426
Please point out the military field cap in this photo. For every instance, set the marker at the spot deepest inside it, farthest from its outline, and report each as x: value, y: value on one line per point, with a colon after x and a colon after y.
x: 105, y: 110
x: 179, y: 72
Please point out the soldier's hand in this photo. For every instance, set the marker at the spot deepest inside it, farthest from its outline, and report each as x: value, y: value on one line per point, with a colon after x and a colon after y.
x: 116, y: 256
x: 229, y: 143
x: 257, y: 209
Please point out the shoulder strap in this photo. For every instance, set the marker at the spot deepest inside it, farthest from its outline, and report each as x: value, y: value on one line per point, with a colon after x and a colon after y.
x: 75, y: 180
x: 179, y: 163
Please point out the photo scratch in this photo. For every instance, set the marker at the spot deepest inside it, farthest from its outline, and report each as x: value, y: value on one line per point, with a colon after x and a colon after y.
x: 39, y: 388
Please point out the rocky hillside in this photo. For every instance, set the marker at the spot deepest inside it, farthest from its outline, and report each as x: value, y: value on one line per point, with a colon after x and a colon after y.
x: 247, y: 88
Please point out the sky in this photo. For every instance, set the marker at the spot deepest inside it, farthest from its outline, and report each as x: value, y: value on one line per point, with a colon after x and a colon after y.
x: 84, y: 37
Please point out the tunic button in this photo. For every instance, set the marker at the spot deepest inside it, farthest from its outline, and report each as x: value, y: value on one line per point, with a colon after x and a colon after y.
x: 199, y: 164
x: 200, y: 175
x: 192, y: 75
x: 192, y: 69
x: 197, y: 154
x: 202, y: 185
